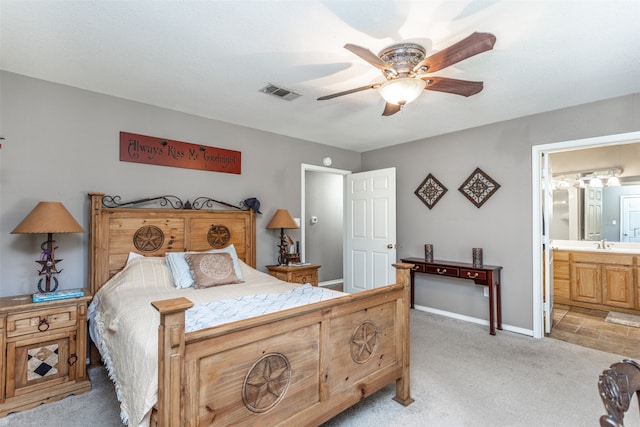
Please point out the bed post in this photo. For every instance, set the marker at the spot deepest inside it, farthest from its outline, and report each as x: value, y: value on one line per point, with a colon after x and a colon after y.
x: 171, y: 352
x: 403, y: 394
x: 96, y: 263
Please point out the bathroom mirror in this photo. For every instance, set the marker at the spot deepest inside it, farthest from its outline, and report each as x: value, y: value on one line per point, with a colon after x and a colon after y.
x: 611, y: 213
x: 577, y: 217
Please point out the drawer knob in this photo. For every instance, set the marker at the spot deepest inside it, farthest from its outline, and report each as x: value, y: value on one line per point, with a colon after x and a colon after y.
x: 473, y: 276
x: 72, y: 359
x: 443, y: 271
x: 43, y: 325
x: 304, y: 279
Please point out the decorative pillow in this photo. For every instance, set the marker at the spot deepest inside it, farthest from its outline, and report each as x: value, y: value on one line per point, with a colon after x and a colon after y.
x: 210, y: 269
x: 179, y: 269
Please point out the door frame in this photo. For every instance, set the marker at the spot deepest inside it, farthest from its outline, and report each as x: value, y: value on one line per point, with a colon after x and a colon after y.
x: 536, y: 199
x: 303, y: 198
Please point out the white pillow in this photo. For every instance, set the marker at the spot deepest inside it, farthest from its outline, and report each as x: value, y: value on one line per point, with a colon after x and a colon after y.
x: 181, y: 273
x: 133, y: 255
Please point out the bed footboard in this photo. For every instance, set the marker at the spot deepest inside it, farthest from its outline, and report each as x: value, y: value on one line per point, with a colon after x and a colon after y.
x: 300, y: 366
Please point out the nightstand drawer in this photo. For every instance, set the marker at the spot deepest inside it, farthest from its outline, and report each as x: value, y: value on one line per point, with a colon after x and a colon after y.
x: 307, y: 276
x: 38, y: 321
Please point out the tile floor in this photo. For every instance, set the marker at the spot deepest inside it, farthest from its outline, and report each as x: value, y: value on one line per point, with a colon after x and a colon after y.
x: 587, y: 328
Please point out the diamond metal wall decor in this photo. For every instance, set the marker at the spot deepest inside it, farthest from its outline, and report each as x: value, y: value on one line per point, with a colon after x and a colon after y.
x: 430, y: 191
x: 479, y: 187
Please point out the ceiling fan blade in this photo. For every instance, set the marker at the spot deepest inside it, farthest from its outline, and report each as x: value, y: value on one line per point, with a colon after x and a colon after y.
x: 472, y: 45
x: 347, y: 92
x: 390, y: 109
x: 458, y: 87
x: 370, y: 57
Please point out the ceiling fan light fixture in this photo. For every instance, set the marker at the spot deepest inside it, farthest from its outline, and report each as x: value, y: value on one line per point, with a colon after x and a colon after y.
x: 402, y: 91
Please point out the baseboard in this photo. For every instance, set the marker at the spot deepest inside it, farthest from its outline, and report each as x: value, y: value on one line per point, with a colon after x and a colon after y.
x: 330, y: 282
x: 458, y: 316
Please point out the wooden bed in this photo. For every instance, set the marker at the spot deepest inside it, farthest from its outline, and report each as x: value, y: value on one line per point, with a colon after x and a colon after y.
x: 297, y: 367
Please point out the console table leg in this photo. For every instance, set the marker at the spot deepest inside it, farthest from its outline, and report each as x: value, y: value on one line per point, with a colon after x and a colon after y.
x: 499, y: 303
x: 492, y: 328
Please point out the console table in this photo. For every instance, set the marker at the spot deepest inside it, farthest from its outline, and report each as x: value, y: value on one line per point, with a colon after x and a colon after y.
x: 487, y: 275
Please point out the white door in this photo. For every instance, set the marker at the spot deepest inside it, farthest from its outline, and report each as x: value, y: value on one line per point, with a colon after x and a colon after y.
x: 630, y: 219
x: 593, y: 213
x: 547, y: 265
x: 370, y: 230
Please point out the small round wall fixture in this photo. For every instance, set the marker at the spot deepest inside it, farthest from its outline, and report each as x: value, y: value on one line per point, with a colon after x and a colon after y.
x: 327, y: 161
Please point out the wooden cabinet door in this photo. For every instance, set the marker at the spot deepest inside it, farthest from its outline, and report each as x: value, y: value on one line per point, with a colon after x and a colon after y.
x: 618, y: 286
x: 585, y: 282
x: 637, y: 285
x: 38, y: 364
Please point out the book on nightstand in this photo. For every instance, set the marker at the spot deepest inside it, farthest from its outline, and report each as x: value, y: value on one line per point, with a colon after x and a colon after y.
x: 57, y: 295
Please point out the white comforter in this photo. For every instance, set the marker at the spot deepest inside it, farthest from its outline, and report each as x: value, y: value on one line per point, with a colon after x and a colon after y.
x: 124, y: 325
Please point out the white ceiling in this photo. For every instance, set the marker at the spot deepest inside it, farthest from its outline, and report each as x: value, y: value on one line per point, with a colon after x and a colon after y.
x: 211, y: 58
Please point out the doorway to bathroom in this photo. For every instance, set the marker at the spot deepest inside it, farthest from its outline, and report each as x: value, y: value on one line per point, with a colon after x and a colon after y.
x: 542, y: 203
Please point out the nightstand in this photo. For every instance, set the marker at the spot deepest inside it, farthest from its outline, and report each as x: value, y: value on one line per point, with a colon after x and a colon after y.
x: 44, y: 348
x: 295, y: 273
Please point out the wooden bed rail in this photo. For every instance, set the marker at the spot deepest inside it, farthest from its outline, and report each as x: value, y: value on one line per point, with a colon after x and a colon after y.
x: 198, y: 372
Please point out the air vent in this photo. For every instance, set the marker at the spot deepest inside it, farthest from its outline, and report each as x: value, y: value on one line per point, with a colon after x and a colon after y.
x: 279, y: 92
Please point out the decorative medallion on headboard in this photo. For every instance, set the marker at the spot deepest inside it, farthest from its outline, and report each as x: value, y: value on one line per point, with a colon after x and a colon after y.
x: 266, y: 382
x: 364, y: 342
x: 218, y: 236
x: 148, y: 238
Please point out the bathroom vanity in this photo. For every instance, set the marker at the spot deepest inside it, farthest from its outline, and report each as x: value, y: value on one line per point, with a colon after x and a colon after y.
x: 602, y: 279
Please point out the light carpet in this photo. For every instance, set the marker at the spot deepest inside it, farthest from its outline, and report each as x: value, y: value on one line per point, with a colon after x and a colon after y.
x: 460, y: 376
x: 623, y: 319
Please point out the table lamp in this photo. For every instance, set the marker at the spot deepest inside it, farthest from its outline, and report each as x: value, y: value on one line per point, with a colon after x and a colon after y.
x: 48, y: 218
x: 282, y: 219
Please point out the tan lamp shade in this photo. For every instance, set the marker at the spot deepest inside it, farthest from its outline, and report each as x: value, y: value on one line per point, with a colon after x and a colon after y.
x: 282, y: 219
x: 48, y: 217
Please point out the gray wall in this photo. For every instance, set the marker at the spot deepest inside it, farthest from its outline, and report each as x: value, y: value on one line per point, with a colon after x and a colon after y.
x: 62, y: 143
x: 503, y: 225
x: 324, y: 240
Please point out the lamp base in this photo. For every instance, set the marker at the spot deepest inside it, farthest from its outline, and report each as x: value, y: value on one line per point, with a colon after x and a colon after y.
x: 282, y: 257
x: 48, y: 262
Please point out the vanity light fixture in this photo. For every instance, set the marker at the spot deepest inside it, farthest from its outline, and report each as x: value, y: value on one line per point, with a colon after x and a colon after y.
x: 613, y: 181
x: 592, y: 178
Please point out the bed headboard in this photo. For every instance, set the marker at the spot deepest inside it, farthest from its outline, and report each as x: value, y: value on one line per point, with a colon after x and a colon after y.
x: 116, y: 231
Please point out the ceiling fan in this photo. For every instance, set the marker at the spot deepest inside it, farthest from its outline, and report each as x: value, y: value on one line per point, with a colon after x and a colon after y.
x: 404, y: 66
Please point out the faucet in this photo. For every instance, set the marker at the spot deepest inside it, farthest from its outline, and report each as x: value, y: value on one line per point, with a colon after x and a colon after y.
x: 603, y: 244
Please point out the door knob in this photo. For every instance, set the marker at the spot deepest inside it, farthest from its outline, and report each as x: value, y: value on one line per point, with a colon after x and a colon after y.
x: 390, y: 246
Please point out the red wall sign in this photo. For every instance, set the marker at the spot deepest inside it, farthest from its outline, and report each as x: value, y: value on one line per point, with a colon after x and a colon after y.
x: 165, y: 152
